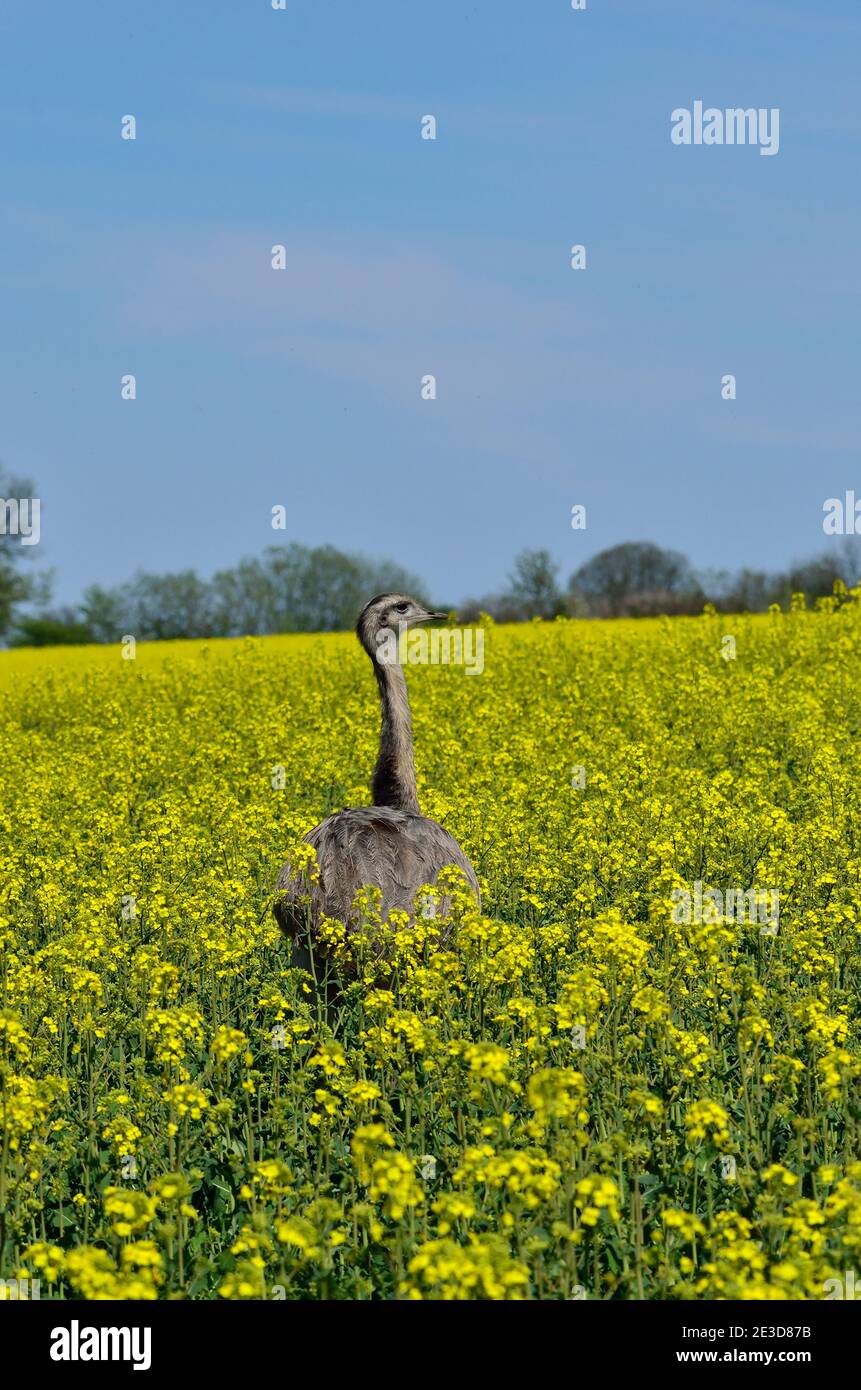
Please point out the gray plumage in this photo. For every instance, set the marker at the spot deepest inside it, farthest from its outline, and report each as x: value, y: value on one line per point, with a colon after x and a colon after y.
x: 389, y: 845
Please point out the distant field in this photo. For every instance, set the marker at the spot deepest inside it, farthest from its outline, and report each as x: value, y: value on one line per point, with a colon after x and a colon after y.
x: 585, y: 1095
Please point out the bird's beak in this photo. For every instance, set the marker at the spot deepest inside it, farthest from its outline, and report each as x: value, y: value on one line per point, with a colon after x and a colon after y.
x: 432, y: 618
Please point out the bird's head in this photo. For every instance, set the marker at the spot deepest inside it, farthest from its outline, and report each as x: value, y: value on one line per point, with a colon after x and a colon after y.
x: 391, y: 613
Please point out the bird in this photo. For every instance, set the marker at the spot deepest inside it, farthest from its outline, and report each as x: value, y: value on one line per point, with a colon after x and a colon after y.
x: 389, y: 845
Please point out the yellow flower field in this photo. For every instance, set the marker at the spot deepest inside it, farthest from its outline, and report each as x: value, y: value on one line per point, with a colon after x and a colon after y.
x: 580, y: 1096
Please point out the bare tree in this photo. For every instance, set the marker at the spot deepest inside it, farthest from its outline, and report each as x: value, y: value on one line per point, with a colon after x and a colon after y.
x: 17, y: 585
x: 533, y: 591
x: 624, y: 574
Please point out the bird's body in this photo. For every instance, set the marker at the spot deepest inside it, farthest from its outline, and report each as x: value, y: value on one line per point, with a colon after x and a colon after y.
x: 395, y: 851
x: 389, y: 845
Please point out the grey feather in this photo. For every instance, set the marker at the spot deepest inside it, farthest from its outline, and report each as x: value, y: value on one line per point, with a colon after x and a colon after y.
x: 395, y: 851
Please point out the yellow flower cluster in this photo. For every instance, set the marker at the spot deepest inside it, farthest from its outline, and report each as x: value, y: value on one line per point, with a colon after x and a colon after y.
x: 579, y: 1089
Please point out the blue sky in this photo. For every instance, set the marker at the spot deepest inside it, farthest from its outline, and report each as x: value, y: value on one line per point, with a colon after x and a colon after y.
x: 407, y: 257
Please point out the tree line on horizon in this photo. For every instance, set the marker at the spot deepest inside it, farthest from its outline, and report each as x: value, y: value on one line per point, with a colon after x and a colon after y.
x: 299, y: 588
x: 638, y: 579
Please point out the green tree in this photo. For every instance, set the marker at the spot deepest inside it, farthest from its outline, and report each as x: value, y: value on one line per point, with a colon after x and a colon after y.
x: 292, y: 588
x: 58, y: 629
x: 296, y: 588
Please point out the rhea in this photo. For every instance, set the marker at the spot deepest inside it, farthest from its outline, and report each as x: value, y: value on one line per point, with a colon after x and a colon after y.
x: 389, y: 845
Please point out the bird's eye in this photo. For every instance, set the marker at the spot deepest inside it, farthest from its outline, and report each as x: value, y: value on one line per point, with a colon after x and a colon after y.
x: 402, y: 607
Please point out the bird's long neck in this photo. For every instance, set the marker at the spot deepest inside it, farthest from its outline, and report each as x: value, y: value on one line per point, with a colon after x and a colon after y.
x: 394, y: 781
